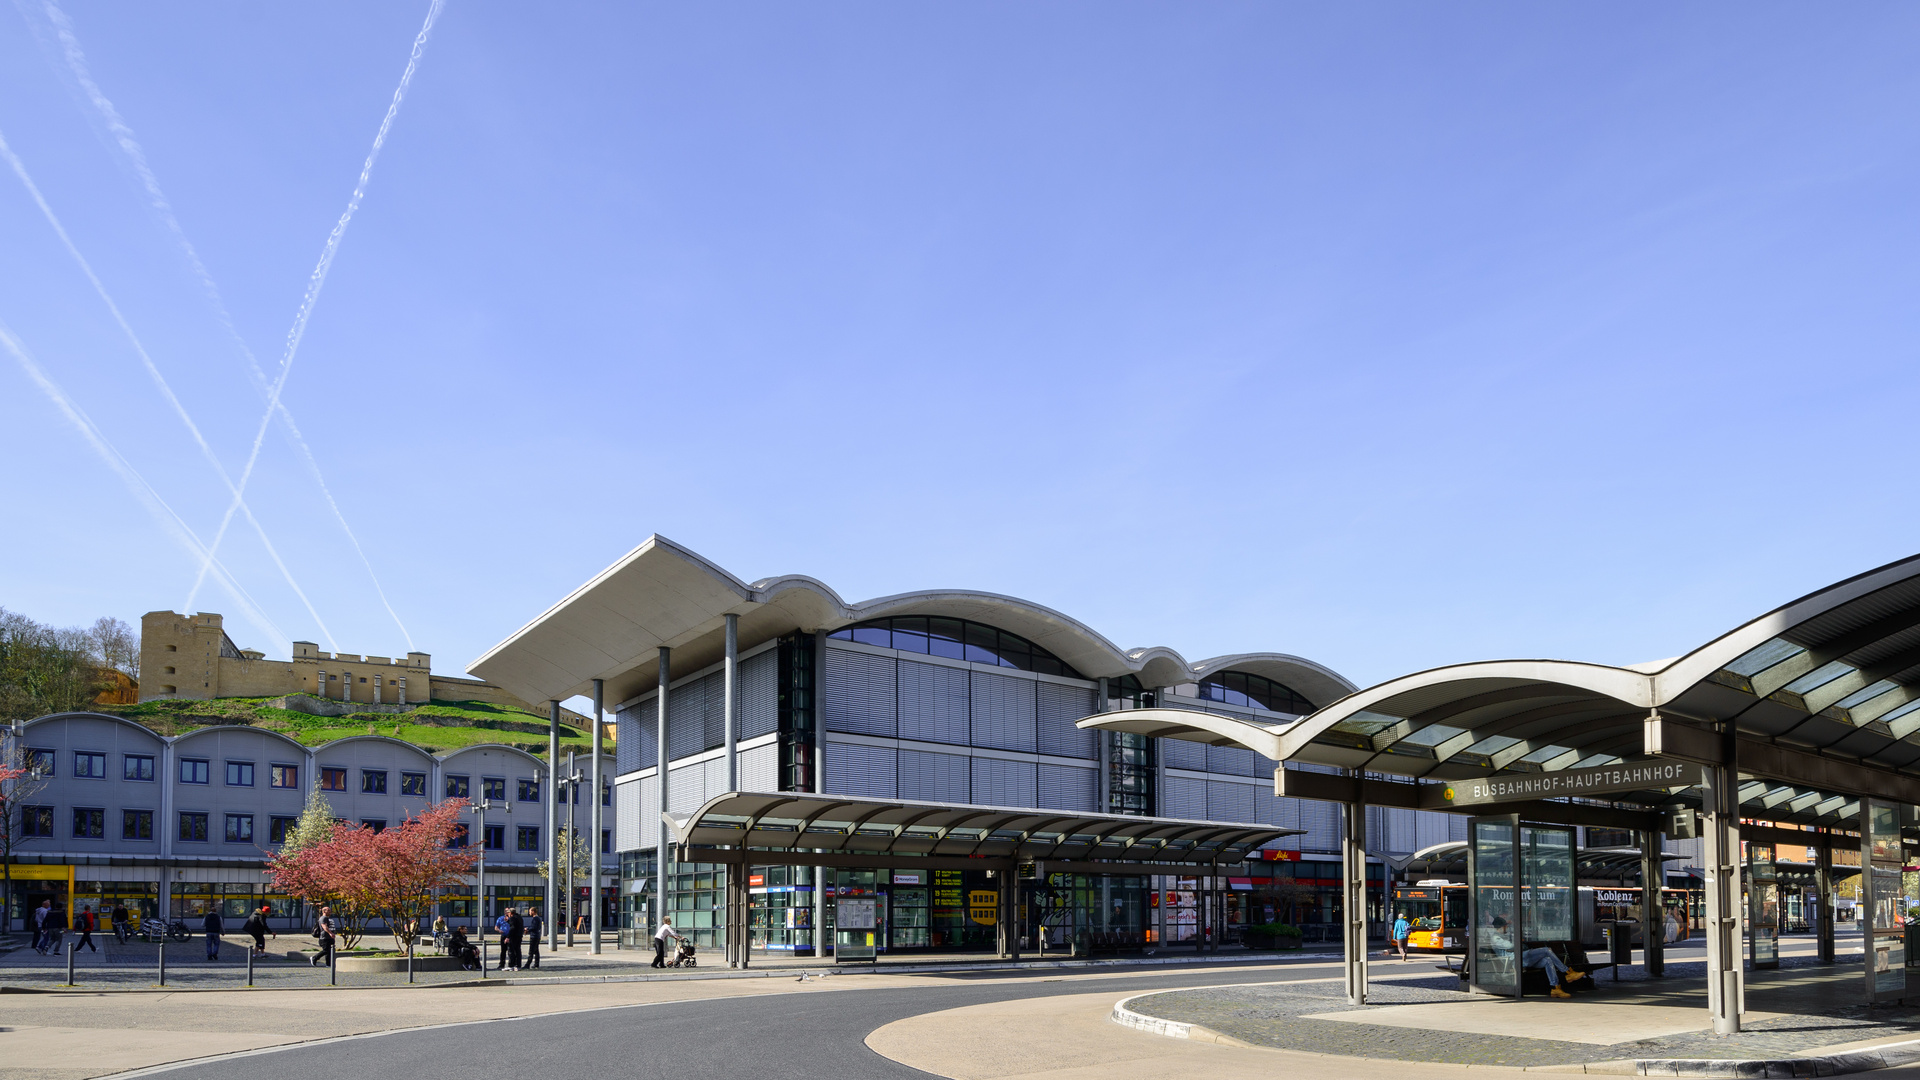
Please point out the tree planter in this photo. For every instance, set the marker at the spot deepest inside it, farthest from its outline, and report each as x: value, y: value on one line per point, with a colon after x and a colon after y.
x: 365, y: 965
x: 1266, y: 941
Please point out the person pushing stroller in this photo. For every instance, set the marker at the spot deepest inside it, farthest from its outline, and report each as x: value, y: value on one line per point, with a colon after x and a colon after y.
x: 660, y: 937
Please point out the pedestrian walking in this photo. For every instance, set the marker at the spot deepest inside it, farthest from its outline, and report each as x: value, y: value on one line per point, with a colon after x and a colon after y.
x: 660, y: 937
x: 213, y: 927
x: 86, y: 924
x: 40, y: 916
x: 121, y: 918
x: 535, y: 927
x: 1401, y: 928
x: 325, y: 930
x: 256, y: 925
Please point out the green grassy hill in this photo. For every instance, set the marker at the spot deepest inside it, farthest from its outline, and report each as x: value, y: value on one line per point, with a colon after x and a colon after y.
x: 436, y: 727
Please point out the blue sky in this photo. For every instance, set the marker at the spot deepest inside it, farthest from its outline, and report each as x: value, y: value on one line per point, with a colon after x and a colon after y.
x: 1388, y: 335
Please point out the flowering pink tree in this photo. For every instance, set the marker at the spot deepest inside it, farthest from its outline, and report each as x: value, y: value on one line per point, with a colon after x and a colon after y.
x: 392, y: 873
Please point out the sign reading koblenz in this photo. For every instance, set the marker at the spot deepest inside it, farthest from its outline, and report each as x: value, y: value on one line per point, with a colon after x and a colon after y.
x: 1598, y: 780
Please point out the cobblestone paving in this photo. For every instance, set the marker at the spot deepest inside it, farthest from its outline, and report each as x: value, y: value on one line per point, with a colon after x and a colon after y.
x: 1273, y: 1015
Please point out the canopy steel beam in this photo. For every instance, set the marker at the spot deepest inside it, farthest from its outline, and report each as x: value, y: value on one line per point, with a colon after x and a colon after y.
x: 880, y: 861
x: 1299, y: 784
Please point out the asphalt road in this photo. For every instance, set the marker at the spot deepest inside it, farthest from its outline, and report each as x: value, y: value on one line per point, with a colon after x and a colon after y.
x: 781, y: 1036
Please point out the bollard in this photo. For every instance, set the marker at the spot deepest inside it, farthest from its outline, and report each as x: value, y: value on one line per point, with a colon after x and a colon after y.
x: 409, y: 962
x: 163, y: 962
x: 483, y: 957
x: 70, y: 963
x: 333, y: 967
x: 249, y: 965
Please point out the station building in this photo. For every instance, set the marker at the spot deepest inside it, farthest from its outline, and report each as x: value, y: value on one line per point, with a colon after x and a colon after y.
x: 919, y: 701
x: 175, y: 826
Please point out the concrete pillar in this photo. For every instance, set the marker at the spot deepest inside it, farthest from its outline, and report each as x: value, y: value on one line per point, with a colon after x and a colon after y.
x: 553, y: 831
x: 1720, y: 827
x: 1653, y: 923
x: 662, y: 909
x: 593, y: 838
x: 731, y: 702
x: 1823, y: 897
x: 1353, y: 896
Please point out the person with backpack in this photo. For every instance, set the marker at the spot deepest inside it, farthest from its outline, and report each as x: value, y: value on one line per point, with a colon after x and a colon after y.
x: 325, y: 930
x: 256, y: 925
x: 42, y: 918
x: 86, y: 924
x: 213, y: 927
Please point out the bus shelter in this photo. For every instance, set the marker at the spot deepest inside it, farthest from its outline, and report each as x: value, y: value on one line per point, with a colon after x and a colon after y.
x: 743, y: 829
x: 1801, y: 726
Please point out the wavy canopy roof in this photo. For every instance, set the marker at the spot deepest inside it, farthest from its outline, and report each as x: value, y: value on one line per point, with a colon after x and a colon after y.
x: 1823, y: 692
x: 664, y: 594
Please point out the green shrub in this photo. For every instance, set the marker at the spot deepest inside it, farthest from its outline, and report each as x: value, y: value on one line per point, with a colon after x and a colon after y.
x: 1275, y: 929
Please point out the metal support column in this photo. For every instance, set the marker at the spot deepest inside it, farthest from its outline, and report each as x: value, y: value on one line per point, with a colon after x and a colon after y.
x: 593, y: 839
x: 1103, y: 794
x: 1720, y: 826
x: 1653, y: 912
x: 661, y: 908
x: 1353, y: 895
x: 736, y: 889
x: 1014, y: 908
x: 1823, y: 897
x: 730, y: 684
x: 553, y: 830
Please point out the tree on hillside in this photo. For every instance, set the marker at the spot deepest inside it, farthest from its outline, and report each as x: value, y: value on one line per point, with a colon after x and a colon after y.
x: 46, y: 669
x: 116, y: 646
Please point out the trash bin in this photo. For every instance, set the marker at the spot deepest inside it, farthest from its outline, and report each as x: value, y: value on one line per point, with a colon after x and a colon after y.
x: 1619, y: 946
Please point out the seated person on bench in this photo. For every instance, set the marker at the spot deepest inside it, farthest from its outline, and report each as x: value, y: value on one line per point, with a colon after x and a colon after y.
x: 1546, y: 960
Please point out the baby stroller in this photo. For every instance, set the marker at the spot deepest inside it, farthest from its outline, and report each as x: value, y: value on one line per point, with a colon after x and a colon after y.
x: 683, y: 956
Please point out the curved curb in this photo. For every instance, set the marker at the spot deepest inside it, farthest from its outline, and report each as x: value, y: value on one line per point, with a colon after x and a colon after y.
x: 1853, y: 1061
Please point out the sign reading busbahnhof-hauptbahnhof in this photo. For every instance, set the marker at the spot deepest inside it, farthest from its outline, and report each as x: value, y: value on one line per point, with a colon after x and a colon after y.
x: 1598, y: 780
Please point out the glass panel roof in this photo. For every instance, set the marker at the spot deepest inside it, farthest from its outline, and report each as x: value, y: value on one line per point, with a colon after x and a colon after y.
x: 1492, y: 744
x: 1764, y: 657
x: 1545, y: 753
x: 1366, y: 723
x: 1872, y: 691
x: 1819, y: 676
x: 1432, y: 735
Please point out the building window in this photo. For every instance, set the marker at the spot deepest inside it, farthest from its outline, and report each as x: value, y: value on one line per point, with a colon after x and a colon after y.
x: 42, y: 761
x: 36, y: 821
x: 193, y: 770
x: 606, y: 841
x: 528, y: 837
x: 278, y: 828
x: 239, y: 828
x: 1253, y: 692
x: 606, y: 794
x: 413, y: 783
x: 137, y: 767
x: 956, y: 639
x: 193, y: 827
x: 496, y: 838
x: 456, y: 787
x: 239, y: 774
x: 529, y: 790
x: 89, y: 823
x: 493, y: 787
x: 284, y: 776
x: 136, y: 824
x: 459, y: 837
x: 373, y: 781
x: 378, y: 825
x: 333, y: 779
x: 89, y: 765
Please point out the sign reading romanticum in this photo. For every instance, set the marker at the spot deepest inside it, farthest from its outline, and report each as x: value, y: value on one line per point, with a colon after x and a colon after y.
x: 1598, y: 780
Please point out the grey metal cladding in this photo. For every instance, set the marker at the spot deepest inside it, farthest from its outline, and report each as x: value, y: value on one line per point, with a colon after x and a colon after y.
x: 633, y: 738
x: 1059, y: 707
x: 713, y: 717
x: 760, y: 768
x: 932, y: 777
x: 1004, y: 783
x: 858, y: 769
x: 1064, y: 787
x: 1233, y: 761
x: 1228, y: 801
x: 1004, y: 714
x: 626, y: 824
x: 1180, y: 754
x: 858, y: 693
x: 686, y: 727
x: 760, y: 696
x: 933, y: 703
x: 1322, y: 822
x: 1186, y: 798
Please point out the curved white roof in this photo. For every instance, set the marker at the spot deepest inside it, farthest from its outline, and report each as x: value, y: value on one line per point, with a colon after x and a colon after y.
x: 664, y: 594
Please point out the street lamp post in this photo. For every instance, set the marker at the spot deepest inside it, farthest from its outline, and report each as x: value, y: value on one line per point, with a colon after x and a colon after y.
x: 480, y: 809
x: 572, y: 781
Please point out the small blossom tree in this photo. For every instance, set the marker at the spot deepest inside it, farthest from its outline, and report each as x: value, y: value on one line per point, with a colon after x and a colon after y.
x: 392, y: 873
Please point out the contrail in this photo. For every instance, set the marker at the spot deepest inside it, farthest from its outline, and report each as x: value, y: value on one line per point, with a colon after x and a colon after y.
x: 153, y: 370
x: 155, y: 505
x: 123, y: 137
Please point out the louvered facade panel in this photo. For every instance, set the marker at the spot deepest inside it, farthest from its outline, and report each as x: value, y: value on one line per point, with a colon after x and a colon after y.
x: 648, y: 833
x: 1322, y: 822
x: 1185, y: 798
x: 713, y: 719
x: 1232, y: 760
x: 633, y: 738
x: 760, y: 694
x: 1059, y: 708
x: 1429, y: 829
x: 856, y: 769
x: 686, y: 712
x: 686, y: 786
x: 930, y: 777
x: 1065, y: 787
x: 1003, y: 713
x: 933, y: 703
x: 760, y: 768
x: 1181, y: 754
x: 1402, y: 833
x: 626, y: 818
x: 858, y: 695
x: 1228, y: 801
x: 1004, y: 783
x: 716, y: 782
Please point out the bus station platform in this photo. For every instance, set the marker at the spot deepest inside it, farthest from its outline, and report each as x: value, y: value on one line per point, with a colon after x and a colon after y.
x: 1805, y: 1018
